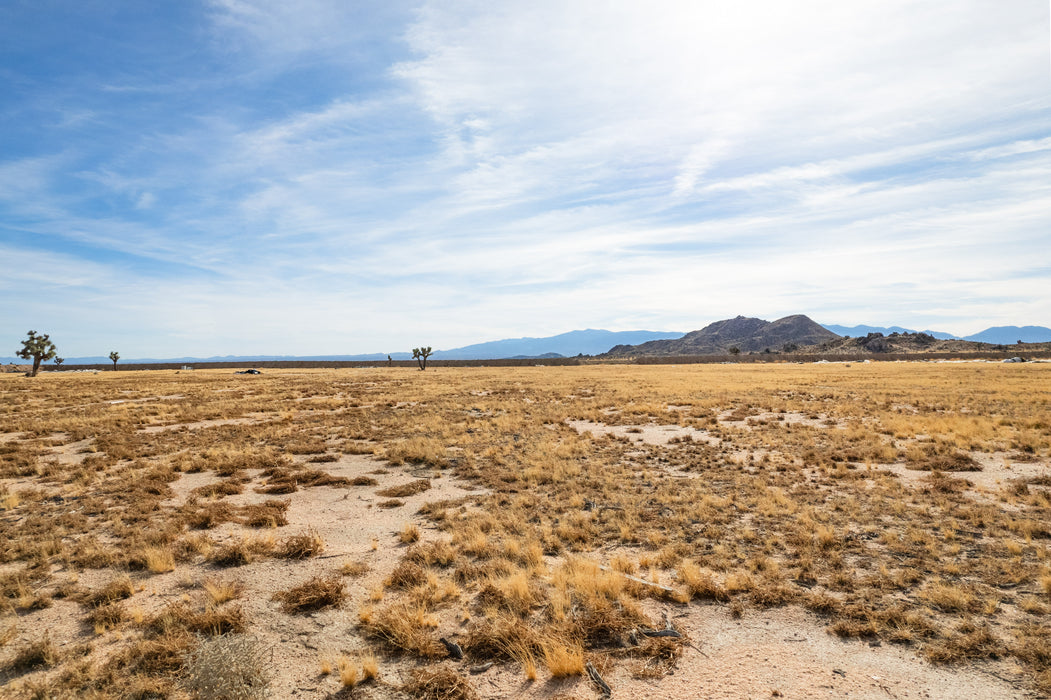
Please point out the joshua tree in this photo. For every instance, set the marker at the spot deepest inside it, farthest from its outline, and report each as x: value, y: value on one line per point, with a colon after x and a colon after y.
x: 113, y: 356
x: 38, y: 348
x: 421, y: 355
x: 59, y: 360
x: 735, y: 350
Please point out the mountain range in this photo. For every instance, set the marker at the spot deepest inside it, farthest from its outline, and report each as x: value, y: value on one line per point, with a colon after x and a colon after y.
x: 586, y: 342
x: 1001, y: 335
x: 855, y: 331
x: 747, y: 334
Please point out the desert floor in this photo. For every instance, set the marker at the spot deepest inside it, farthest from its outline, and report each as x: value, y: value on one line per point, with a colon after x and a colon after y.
x: 864, y: 530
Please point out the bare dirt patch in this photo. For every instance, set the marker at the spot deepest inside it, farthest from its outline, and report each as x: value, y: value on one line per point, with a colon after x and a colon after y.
x: 781, y: 653
x: 650, y: 434
x: 201, y: 424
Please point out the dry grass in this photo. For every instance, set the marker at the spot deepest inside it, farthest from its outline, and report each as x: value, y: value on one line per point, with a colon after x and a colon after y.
x: 354, y: 569
x: 117, y: 588
x: 231, y: 667
x: 348, y: 672
x: 302, y: 546
x: 405, y: 626
x: 563, y: 658
x: 439, y: 684
x: 316, y: 594
x: 409, y: 533
x: 777, y: 498
x: 410, y: 489
x: 41, y: 653
x: 220, y: 591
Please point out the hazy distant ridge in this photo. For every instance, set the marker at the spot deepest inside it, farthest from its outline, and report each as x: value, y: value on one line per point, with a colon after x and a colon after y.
x: 586, y: 342
x: 998, y: 335
x: 717, y: 337
x: 855, y: 331
x: 1012, y: 334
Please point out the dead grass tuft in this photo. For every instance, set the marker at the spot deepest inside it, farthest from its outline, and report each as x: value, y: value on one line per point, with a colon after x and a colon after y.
x: 180, y: 617
x: 219, y: 591
x: 233, y: 554
x: 404, y: 626
x: 953, y: 462
x: 270, y: 513
x: 118, y: 588
x: 968, y: 641
x: 354, y: 569
x: 406, y: 575
x: 563, y: 657
x: 316, y: 594
x: 302, y: 546
x: 41, y: 653
x: 230, y: 667
x: 410, y: 489
x: 439, y: 684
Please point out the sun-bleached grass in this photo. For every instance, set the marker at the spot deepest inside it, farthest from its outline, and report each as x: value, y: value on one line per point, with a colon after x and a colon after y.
x: 315, y: 594
x: 781, y: 496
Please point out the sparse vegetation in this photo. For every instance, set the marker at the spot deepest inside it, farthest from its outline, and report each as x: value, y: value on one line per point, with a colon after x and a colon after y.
x: 229, y: 667
x: 421, y: 355
x: 37, y: 348
x: 315, y: 594
x: 779, y: 485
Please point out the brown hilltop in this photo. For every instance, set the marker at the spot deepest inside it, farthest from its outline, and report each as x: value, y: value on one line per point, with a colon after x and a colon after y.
x: 746, y: 334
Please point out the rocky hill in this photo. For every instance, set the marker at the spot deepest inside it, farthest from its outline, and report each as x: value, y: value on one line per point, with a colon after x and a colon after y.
x: 906, y: 343
x: 787, y: 334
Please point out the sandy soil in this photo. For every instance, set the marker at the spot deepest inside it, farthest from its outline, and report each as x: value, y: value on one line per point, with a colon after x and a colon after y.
x: 650, y: 434
x: 776, y: 653
x: 783, y: 651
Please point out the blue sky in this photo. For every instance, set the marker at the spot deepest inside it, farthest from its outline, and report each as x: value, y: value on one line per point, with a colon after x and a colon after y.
x: 209, y: 177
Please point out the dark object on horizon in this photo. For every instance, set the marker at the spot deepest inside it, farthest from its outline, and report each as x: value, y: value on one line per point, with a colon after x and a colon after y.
x: 113, y: 356
x: 249, y: 371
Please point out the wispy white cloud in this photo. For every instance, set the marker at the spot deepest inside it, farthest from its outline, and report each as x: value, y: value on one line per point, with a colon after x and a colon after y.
x: 465, y: 170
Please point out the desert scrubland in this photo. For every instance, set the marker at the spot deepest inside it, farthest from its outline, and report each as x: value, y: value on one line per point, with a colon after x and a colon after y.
x: 796, y: 530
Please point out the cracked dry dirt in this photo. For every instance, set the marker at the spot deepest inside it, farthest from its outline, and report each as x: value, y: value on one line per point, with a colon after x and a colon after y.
x: 807, y: 531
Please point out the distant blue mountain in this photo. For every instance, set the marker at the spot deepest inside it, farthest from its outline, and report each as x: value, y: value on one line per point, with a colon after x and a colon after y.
x: 1012, y: 334
x: 858, y: 331
x: 586, y: 342
x: 100, y: 360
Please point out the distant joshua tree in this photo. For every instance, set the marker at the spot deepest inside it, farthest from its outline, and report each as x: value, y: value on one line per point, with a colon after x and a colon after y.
x: 421, y: 355
x: 735, y: 351
x: 38, y: 348
x: 59, y: 360
x: 113, y: 356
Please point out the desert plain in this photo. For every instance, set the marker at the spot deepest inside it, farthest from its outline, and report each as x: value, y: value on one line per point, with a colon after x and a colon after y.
x: 863, y: 530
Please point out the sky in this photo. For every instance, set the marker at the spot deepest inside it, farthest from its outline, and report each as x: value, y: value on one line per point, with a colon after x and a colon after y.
x: 212, y: 177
